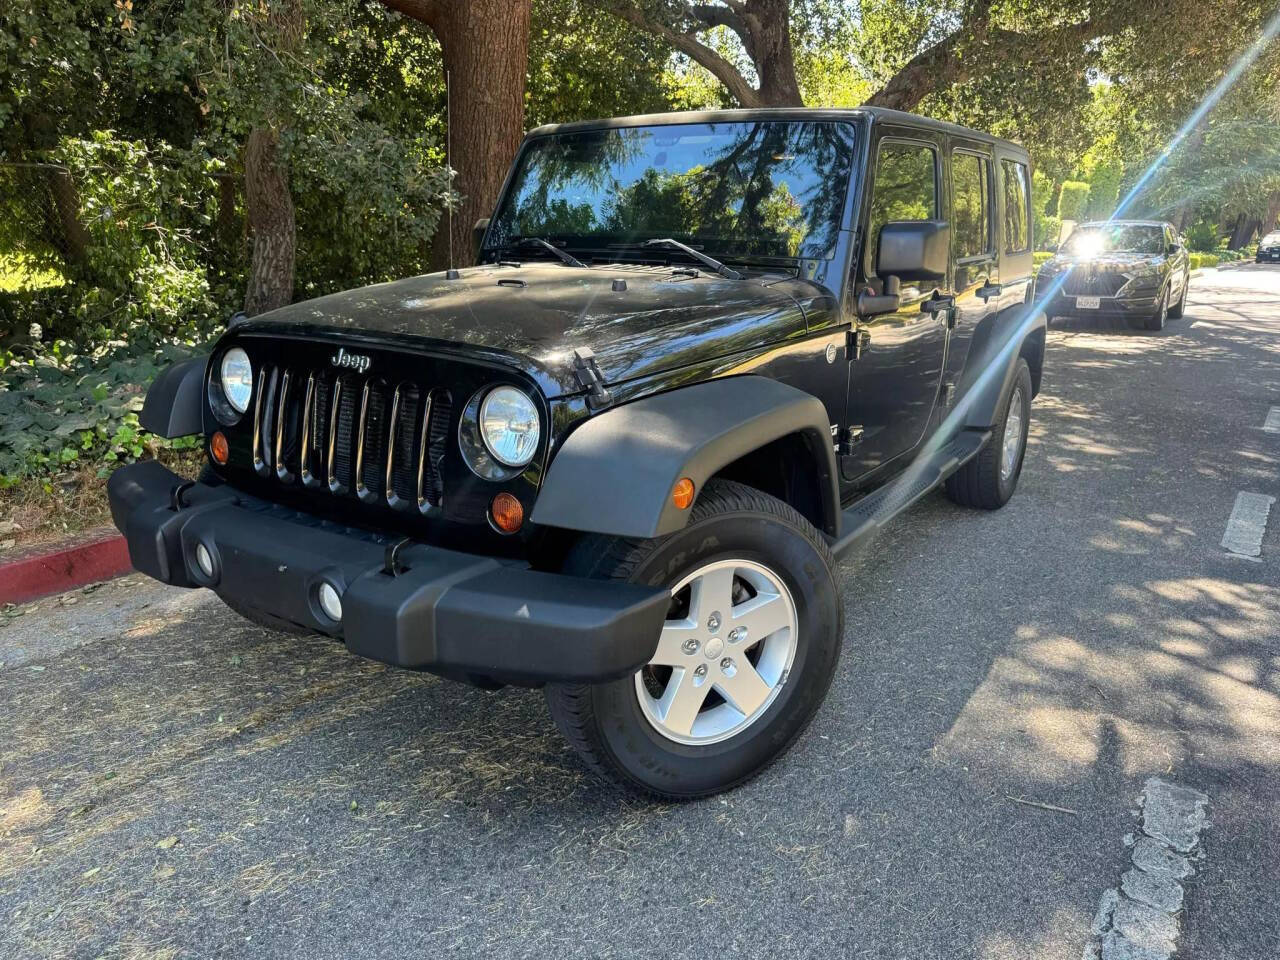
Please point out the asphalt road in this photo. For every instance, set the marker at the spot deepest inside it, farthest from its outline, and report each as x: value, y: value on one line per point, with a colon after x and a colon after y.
x: 175, y: 782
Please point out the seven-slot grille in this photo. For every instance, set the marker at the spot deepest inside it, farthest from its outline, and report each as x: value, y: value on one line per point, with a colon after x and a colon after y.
x: 1081, y: 283
x: 352, y: 435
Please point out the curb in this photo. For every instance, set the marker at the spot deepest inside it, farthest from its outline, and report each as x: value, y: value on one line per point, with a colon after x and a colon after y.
x: 94, y: 555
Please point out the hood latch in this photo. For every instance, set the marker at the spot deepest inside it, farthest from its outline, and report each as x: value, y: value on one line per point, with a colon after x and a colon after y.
x: 588, y: 376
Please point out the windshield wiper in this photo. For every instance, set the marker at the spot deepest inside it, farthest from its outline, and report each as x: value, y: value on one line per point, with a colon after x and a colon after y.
x: 564, y: 255
x: 712, y: 262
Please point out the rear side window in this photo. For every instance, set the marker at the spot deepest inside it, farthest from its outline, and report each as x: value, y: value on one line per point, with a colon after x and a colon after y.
x: 1017, y: 191
x: 970, y: 176
x: 906, y: 187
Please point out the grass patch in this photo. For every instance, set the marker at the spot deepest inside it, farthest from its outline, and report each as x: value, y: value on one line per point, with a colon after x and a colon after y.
x: 19, y: 273
x: 46, y: 509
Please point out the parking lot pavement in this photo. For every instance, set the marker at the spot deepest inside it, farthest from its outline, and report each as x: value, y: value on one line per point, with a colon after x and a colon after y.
x: 176, y: 782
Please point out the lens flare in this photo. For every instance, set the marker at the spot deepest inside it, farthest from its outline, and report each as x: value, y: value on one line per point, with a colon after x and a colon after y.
x: 996, y: 362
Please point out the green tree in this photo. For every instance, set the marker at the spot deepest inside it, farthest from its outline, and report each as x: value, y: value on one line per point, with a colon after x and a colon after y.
x: 1073, y: 200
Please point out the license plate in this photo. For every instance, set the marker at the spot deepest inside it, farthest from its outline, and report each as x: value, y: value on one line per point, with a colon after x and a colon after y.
x: 1088, y: 303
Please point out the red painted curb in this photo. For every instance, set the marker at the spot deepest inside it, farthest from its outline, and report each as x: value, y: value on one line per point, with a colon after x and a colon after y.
x: 95, y: 555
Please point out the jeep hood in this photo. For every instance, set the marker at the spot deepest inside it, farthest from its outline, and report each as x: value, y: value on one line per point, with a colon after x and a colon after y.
x: 536, y: 315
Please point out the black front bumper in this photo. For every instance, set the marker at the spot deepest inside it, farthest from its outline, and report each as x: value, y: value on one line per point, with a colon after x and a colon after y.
x: 452, y: 613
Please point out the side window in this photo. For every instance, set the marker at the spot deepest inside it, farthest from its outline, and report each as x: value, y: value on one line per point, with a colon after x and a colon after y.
x: 971, y: 226
x: 906, y: 188
x: 1017, y: 237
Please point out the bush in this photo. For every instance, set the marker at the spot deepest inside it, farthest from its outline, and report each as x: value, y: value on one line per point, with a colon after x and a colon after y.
x: 59, y: 408
x: 1202, y: 237
x: 1104, y: 189
x: 1199, y: 260
x: 1073, y: 199
x: 1040, y: 256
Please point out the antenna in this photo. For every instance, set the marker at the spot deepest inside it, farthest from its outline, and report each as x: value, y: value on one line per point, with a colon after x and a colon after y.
x: 451, y: 273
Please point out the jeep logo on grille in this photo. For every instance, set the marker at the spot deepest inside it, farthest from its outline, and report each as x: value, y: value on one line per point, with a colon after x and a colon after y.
x: 352, y: 361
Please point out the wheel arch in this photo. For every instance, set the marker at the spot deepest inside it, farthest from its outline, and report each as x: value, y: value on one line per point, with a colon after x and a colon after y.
x: 614, y: 474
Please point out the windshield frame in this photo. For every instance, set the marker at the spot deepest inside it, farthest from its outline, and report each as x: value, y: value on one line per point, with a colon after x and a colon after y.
x: 489, y: 252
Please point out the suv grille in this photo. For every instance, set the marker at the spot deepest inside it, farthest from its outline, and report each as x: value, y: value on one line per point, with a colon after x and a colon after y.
x: 352, y: 435
x: 1083, y: 284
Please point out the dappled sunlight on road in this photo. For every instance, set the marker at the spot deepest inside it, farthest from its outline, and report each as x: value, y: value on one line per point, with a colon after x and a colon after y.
x: 1047, y: 706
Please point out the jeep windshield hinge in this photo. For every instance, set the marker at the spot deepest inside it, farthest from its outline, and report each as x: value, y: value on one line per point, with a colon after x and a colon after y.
x: 858, y: 339
x: 589, y: 378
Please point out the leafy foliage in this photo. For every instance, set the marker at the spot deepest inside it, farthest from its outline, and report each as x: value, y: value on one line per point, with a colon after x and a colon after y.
x: 59, y: 408
x: 1073, y: 200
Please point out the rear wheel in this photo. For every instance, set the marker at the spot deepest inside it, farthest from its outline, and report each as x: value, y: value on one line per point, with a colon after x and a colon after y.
x: 989, y: 479
x: 745, y: 658
x: 1177, y: 310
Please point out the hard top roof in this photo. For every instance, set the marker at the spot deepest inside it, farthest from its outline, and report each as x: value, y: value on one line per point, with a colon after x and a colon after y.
x: 875, y: 114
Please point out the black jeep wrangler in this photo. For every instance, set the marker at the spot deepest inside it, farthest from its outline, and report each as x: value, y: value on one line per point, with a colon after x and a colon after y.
x: 702, y: 357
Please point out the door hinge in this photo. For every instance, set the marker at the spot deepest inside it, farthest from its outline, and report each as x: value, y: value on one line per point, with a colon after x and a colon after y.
x: 857, y: 340
x: 587, y: 373
x: 850, y: 439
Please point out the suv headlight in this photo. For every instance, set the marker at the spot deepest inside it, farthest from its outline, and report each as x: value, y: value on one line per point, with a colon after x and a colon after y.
x: 509, y: 426
x: 236, y: 376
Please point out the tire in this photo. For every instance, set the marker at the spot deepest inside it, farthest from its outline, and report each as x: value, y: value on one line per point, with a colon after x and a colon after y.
x: 1156, y: 320
x: 1176, y: 312
x: 984, y: 482
x: 615, y: 726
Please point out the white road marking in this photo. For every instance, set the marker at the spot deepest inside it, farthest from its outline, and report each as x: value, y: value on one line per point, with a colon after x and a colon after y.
x: 1139, y: 921
x: 1272, y: 423
x: 1248, y: 524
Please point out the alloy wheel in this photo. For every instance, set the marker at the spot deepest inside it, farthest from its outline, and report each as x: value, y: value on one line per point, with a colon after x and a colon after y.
x: 725, y: 651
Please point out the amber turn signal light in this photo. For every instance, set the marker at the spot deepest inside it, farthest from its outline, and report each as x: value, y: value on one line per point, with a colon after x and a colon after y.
x: 507, y: 513
x: 682, y: 493
x: 218, y: 448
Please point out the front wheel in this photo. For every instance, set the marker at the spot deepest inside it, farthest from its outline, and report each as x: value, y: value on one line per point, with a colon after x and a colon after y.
x: 746, y: 655
x: 1156, y: 319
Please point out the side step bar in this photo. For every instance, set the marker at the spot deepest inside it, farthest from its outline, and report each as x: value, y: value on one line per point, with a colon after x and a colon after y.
x: 875, y: 510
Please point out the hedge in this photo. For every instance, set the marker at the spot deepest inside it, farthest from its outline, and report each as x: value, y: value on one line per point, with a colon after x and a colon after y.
x: 1073, y: 198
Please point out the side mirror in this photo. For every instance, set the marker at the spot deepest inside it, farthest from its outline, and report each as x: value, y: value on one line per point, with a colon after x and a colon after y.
x: 915, y: 250
x: 870, y: 304
x: 477, y: 234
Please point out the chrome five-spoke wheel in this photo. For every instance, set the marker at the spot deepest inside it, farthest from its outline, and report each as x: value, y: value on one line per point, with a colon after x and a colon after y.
x: 1012, y: 446
x: 724, y: 654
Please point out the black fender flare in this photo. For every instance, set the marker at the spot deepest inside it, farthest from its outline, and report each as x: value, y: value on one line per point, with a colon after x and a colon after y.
x: 993, y: 360
x: 174, y: 406
x: 614, y: 473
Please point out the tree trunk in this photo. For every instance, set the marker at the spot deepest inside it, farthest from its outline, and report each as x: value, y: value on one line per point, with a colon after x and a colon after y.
x: 1270, y: 221
x: 67, y: 232
x: 485, y: 45
x: 271, y: 223
x: 768, y: 42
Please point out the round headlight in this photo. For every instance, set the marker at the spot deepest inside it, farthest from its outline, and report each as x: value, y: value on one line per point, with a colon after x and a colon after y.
x: 237, y: 378
x: 509, y: 425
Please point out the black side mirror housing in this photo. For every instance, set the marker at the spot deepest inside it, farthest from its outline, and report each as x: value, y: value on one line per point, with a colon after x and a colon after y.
x: 914, y: 250
x: 477, y: 234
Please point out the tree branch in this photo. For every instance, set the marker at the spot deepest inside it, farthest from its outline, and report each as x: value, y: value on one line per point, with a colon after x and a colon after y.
x: 424, y: 11
x: 688, y: 44
x: 940, y: 66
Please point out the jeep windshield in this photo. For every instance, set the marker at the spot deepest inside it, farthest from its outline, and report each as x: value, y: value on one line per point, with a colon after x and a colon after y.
x: 760, y: 190
x: 1116, y: 238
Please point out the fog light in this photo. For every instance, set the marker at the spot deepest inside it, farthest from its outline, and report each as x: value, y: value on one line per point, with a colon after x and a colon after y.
x: 204, y: 560
x: 330, y: 602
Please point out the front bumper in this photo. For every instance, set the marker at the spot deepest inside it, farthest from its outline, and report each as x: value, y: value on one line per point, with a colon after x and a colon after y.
x: 452, y: 613
x: 1064, y: 305
x: 1269, y: 256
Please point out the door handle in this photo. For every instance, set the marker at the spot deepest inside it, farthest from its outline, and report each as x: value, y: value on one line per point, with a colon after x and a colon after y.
x: 936, y: 304
x: 989, y: 290
x: 941, y: 305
